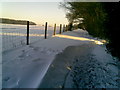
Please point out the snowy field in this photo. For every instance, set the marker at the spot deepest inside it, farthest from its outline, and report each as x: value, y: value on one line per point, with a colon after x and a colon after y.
x: 14, y: 36
x: 30, y: 66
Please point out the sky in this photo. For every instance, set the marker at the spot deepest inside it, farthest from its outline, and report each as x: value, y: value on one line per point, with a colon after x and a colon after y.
x: 38, y: 12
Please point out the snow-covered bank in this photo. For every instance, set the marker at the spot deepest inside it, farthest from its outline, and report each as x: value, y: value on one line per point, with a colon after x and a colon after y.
x: 25, y: 67
x: 84, y: 66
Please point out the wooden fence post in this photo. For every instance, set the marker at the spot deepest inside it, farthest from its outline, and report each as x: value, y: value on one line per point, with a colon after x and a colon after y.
x: 27, y: 32
x: 64, y: 28
x: 46, y: 30
x: 60, y: 28
x: 54, y: 29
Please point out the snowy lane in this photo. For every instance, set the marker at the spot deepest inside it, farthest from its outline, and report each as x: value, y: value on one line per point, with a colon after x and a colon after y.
x: 26, y: 66
x: 30, y: 63
x: 26, y: 69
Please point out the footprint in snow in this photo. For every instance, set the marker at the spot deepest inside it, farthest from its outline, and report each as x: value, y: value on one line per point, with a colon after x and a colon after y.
x: 36, y: 60
x: 6, y: 79
x: 36, y: 48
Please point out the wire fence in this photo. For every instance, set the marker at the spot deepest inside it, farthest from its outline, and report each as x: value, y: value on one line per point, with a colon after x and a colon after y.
x: 14, y: 36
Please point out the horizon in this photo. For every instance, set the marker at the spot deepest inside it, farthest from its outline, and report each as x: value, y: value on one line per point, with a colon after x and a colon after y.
x: 37, y: 12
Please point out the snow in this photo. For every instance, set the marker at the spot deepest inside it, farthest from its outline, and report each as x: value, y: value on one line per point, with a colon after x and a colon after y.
x: 30, y: 66
x: 84, y: 68
x: 14, y: 36
x: 0, y: 60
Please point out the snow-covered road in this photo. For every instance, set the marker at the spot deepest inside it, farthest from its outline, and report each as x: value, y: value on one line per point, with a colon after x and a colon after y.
x: 25, y: 67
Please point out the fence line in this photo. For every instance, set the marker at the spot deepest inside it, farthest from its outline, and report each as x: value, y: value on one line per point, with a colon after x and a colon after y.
x: 15, y: 35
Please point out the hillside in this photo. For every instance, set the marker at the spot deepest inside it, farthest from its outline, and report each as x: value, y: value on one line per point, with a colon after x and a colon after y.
x: 12, y: 21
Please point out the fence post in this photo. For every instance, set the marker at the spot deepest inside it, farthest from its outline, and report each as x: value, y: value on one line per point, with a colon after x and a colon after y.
x: 46, y: 30
x: 63, y: 27
x: 66, y: 29
x: 54, y: 29
x: 27, y: 32
x: 60, y: 28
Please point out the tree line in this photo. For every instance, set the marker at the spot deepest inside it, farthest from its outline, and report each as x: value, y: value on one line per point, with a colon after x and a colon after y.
x: 12, y: 21
x: 100, y: 19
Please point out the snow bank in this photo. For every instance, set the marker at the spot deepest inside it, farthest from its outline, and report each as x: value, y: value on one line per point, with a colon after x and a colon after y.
x: 84, y: 66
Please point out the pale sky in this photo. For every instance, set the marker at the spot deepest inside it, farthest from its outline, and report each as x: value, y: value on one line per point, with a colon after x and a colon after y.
x: 38, y: 12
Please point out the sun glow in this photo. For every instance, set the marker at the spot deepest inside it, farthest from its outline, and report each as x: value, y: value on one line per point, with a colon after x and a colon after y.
x: 58, y: 35
x: 79, y: 38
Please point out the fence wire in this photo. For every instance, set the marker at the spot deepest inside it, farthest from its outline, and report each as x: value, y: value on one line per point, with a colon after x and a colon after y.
x: 14, y: 36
